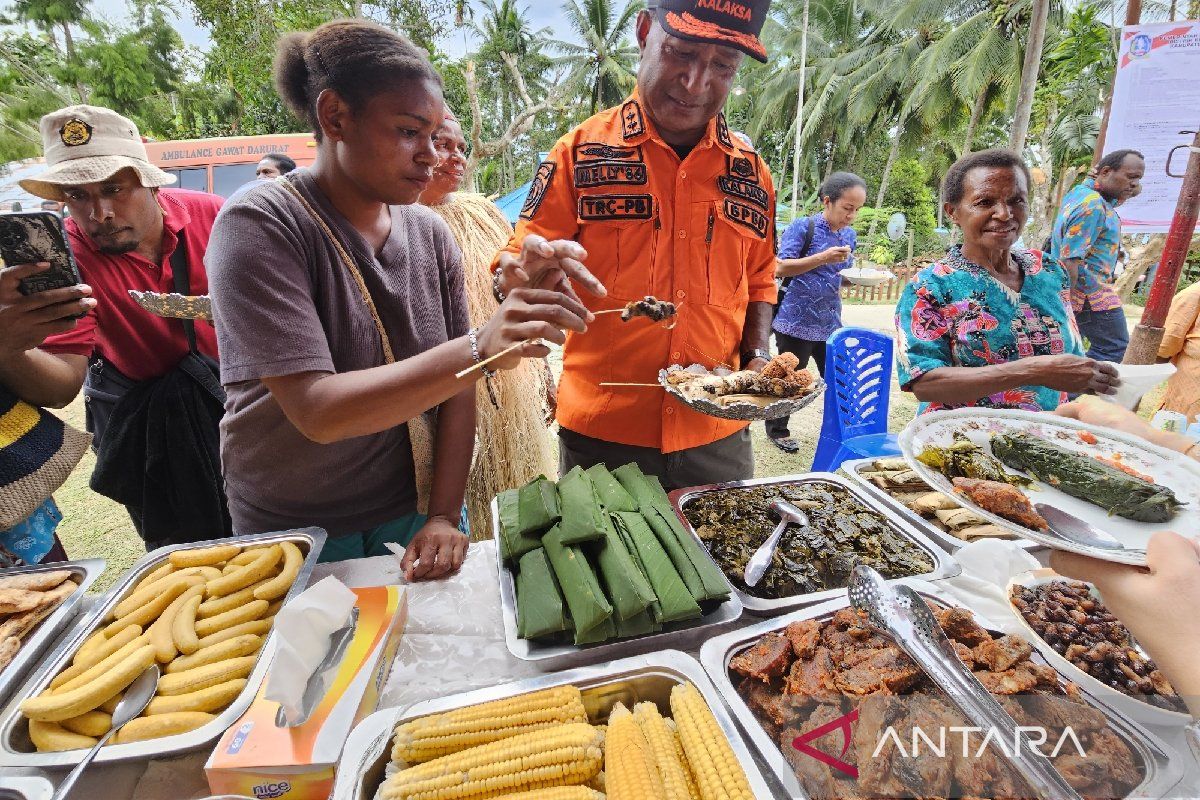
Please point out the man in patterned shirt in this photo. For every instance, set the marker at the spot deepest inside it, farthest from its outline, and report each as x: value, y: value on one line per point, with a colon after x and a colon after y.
x: 1087, y: 241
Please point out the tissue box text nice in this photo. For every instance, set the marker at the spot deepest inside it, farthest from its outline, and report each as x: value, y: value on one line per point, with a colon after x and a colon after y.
x: 257, y: 759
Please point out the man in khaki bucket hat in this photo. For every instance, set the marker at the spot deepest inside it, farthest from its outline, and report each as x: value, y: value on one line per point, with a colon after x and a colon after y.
x: 87, y: 144
x: 126, y: 233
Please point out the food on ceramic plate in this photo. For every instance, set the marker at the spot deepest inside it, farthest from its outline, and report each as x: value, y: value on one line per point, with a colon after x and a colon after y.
x: 1082, y: 630
x: 812, y: 673
x: 650, y: 307
x: 965, y: 459
x: 27, y: 599
x: 544, y: 746
x: 178, y: 616
x: 1002, y: 499
x: 627, y: 567
x: 1087, y: 478
x: 897, y: 479
x: 843, y: 533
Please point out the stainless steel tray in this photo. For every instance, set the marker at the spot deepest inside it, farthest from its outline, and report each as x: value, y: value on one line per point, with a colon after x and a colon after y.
x: 51, y: 628
x: 1160, y: 762
x: 17, y: 750
x: 648, y: 677
x: 949, y: 541
x: 25, y: 787
x: 563, y: 656
x: 944, y: 565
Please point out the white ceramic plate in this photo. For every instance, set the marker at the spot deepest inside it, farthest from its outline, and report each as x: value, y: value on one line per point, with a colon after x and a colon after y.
x: 1166, y: 467
x: 1141, y: 711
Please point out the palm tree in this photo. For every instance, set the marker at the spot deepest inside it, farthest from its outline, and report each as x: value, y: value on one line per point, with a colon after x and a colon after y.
x: 56, y: 14
x: 1029, y: 73
x: 605, y: 63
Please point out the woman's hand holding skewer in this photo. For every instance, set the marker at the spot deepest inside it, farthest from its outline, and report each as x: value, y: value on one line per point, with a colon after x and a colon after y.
x: 524, y: 320
x: 542, y: 264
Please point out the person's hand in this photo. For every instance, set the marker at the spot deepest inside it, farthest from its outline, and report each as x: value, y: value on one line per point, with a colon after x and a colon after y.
x: 835, y: 255
x: 756, y: 364
x: 542, y: 264
x: 1077, y: 374
x: 1157, y: 604
x: 437, y: 550
x: 26, y: 320
x: 526, y: 315
x: 1113, y: 417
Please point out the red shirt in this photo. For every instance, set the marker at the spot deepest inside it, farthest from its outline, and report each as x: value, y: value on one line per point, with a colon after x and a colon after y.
x: 139, y: 344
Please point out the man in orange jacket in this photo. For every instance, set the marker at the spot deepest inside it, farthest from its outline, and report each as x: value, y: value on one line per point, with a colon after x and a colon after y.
x: 658, y: 199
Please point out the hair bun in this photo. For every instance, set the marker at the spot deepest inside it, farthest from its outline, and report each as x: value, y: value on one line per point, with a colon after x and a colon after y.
x: 292, y: 73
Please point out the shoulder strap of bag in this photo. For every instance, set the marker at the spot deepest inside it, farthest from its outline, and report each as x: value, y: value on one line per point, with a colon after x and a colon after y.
x: 421, y: 427
x: 351, y: 266
x: 807, y: 243
x: 183, y: 284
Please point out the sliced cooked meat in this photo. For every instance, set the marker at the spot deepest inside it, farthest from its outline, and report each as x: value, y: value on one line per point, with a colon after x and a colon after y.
x: 959, y: 625
x: 886, y: 670
x: 769, y: 658
x: 813, y: 677
x: 1119, y: 767
x: 1013, y: 681
x: 804, y: 635
x: 964, y: 653
x: 1003, y: 653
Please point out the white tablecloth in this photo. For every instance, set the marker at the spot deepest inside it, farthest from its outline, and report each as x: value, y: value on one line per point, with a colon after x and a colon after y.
x: 453, y: 642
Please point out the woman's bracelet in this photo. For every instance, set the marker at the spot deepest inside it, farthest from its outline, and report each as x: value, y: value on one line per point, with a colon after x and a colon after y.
x: 473, y: 339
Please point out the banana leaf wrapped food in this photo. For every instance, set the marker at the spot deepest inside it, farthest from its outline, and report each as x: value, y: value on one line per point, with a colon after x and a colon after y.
x: 585, y: 599
x: 612, y: 494
x: 965, y: 459
x: 702, y: 577
x: 624, y: 583
x: 538, y: 502
x: 674, y: 602
x: 514, y: 542
x: 1087, y: 478
x: 540, y: 610
x: 582, y: 516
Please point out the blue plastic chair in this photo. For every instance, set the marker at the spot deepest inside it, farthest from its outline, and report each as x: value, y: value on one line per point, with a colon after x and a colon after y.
x: 858, y: 371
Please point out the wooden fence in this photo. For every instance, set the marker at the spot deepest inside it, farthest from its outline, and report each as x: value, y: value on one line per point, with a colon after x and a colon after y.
x: 885, y: 292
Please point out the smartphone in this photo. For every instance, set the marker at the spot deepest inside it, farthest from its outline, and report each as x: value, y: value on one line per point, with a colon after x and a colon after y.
x: 30, y: 237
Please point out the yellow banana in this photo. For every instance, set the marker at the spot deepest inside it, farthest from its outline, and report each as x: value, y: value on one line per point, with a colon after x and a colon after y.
x: 64, y: 705
x: 204, y: 556
x: 278, y: 586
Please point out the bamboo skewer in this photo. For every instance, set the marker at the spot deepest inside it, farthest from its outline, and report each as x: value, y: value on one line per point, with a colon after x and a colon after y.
x: 648, y: 385
x: 481, y: 364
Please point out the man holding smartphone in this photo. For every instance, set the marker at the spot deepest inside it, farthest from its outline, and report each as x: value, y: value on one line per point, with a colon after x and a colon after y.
x: 126, y: 232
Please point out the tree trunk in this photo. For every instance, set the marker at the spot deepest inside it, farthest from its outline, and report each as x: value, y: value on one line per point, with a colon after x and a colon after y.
x: 1133, y: 15
x: 893, y: 154
x: 69, y: 48
x: 1029, y: 74
x: 973, y: 123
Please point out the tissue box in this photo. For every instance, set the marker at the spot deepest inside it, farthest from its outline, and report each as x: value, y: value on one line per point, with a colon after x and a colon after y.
x: 257, y: 759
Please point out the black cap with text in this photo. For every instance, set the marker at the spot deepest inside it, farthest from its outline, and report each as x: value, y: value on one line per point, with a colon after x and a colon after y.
x: 733, y: 23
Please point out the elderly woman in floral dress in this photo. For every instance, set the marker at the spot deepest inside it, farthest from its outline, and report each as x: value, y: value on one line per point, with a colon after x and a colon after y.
x: 989, y: 324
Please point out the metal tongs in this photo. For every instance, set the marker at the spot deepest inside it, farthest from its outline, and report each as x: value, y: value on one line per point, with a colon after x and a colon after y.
x: 902, y: 614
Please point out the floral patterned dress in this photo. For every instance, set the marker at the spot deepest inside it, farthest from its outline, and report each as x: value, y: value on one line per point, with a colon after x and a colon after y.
x: 954, y: 313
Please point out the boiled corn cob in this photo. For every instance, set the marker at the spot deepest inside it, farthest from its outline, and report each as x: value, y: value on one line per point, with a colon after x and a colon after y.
x: 661, y: 740
x: 630, y: 772
x: 714, y: 765
x: 692, y: 789
x: 557, y: 793
x: 560, y: 756
x: 442, y: 734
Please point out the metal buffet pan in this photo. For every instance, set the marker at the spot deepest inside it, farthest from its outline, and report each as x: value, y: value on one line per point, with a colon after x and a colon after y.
x: 648, y: 677
x: 552, y: 656
x: 953, y: 543
x: 1161, y: 764
x: 16, y: 749
x: 51, y: 628
x: 25, y: 787
x: 944, y: 565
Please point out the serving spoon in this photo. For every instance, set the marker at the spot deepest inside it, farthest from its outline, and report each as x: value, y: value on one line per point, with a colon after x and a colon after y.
x: 136, y: 698
x: 788, y: 514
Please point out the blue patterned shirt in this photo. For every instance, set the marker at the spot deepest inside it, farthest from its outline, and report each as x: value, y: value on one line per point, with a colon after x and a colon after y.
x: 954, y: 313
x: 812, y: 308
x: 1088, y: 228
